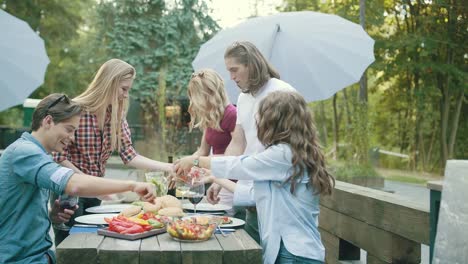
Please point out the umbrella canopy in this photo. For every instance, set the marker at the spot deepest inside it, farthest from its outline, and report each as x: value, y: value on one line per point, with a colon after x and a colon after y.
x: 23, y: 60
x: 318, y: 54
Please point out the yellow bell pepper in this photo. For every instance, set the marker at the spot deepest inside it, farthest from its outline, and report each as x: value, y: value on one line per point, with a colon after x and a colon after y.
x: 138, y: 221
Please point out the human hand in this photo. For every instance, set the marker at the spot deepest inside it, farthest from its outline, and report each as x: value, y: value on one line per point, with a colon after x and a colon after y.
x: 183, y: 165
x: 145, y: 191
x: 57, y: 216
x: 212, y: 193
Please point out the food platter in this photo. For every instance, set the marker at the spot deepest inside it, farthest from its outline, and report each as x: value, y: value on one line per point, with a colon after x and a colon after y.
x: 153, y: 232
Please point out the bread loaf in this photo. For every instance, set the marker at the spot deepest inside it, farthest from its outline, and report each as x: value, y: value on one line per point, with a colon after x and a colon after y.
x: 131, y: 211
x: 169, y: 201
x: 171, y: 211
x: 153, y: 208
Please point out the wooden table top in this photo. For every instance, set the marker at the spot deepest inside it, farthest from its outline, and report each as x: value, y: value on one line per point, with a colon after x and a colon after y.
x: 236, y: 247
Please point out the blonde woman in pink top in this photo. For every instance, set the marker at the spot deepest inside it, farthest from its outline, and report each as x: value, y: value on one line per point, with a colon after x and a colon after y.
x: 211, y: 111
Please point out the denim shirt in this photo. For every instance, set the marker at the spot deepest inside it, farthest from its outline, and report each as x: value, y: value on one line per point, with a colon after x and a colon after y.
x: 292, y: 218
x: 27, y: 174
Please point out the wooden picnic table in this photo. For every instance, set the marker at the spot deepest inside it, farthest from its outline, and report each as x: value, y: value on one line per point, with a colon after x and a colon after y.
x: 236, y: 247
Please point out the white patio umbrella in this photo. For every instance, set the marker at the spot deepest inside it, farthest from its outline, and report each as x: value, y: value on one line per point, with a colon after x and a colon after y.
x: 318, y: 54
x: 23, y: 60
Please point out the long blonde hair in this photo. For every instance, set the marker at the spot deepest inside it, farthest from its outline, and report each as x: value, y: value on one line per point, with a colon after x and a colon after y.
x: 103, y: 92
x: 285, y: 118
x: 207, y: 99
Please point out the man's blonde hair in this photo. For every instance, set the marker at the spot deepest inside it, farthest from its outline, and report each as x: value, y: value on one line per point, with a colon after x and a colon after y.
x: 103, y: 92
x: 260, y: 70
x: 207, y: 99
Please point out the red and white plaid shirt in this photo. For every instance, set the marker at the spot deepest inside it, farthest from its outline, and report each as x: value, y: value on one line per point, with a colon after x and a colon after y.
x: 91, y: 148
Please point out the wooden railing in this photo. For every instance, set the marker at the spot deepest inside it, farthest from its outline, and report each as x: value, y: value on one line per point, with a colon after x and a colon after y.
x: 391, y: 228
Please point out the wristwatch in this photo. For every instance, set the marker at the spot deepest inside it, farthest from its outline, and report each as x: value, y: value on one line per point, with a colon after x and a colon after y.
x: 196, y: 162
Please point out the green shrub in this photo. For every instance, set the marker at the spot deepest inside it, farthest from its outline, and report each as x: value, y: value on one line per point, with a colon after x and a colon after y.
x: 343, y: 172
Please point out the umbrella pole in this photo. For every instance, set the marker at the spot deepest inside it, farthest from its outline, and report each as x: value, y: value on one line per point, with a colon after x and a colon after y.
x: 278, y: 29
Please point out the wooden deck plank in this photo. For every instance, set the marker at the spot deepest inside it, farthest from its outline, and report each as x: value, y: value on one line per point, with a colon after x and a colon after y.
x: 386, y: 245
x: 253, y: 251
x: 209, y: 251
x: 119, y: 251
x: 170, y: 250
x: 386, y: 211
x: 77, y: 247
x: 234, y: 251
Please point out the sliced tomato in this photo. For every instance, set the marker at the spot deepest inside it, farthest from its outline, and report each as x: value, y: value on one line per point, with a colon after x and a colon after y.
x: 134, y: 230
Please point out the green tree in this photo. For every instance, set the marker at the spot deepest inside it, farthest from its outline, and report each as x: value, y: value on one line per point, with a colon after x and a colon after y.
x: 160, y: 41
x: 422, y: 55
x: 418, y: 81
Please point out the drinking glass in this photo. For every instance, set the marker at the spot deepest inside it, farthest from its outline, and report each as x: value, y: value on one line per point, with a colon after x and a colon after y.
x: 196, y: 193
x: 159, y: 179
x: 181, y: 189
x: 66, y: 202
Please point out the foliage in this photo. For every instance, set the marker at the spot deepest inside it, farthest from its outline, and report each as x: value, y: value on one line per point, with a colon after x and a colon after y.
x: 160, y: 41
x: 348, y: 170
x: 417, y: 100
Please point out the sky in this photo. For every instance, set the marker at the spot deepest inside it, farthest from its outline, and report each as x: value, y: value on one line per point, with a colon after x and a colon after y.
x: 229, y: 13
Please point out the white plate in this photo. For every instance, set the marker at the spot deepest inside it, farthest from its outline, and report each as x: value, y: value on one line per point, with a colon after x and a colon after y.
x: 94, y: 219
x: 206, y: 207
x: 235, y: 223
x: 107, y: 208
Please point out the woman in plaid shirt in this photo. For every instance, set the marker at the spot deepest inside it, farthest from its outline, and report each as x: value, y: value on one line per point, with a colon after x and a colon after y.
x: 103, y: 129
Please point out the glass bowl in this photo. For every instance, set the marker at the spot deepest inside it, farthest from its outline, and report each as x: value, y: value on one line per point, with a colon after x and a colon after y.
x: 193, y: 228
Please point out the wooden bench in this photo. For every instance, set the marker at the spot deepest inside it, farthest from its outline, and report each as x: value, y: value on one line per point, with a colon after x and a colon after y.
x: 389, y: 227
x: 237, y: 247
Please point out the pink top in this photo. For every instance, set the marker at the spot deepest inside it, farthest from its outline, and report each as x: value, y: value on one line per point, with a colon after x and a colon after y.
x: 219, y: 140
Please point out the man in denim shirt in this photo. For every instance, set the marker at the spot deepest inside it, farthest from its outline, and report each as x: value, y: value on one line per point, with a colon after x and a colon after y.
x: 28, y: 173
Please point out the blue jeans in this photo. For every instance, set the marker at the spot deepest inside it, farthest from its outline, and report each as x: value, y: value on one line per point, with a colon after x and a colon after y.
x: 285, y: 257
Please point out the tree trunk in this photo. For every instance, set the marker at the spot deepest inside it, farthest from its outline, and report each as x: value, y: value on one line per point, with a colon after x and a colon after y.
x: 444, y: 116
x: 162, y: 99
x: 346, y: 103
x: 335, y: 127
x: 323, y: 124
x: 363, y: 81
x: 455, y: 121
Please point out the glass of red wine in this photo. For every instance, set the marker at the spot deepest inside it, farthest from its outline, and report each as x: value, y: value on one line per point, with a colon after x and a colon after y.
x: 196, y: 193
x: 66, y: 202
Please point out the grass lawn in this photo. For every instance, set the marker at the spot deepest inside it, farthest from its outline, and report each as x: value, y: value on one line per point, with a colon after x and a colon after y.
x: 406, y: 179
x: 413, y: 177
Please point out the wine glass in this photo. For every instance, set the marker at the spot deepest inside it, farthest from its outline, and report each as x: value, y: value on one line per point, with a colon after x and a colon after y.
x: 196, y: 193
x: 181, y: 189
x: 66, y: 202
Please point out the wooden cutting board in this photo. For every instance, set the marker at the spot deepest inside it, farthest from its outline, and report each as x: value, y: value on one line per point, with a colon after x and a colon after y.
x: 153, y: 232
